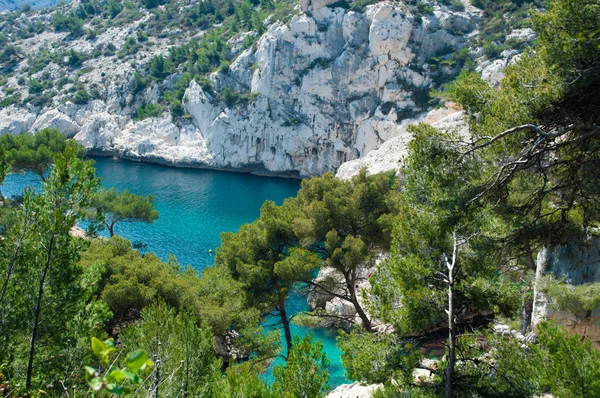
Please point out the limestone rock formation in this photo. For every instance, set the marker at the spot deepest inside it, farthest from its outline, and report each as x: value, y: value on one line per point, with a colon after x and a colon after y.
x: 354, y: 390
x: 329, y: 86
x: 576, y: 266
x: 392, y: 152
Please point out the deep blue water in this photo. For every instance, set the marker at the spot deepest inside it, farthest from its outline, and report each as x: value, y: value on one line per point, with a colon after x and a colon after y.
x: 195, y: 207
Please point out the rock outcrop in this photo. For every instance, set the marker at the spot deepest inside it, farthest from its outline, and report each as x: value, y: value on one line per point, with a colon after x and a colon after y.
x: 329, y: 86
x: 328, y: 297
x: 575, y: 266
x: 391, y: 154
x: 354, y: 390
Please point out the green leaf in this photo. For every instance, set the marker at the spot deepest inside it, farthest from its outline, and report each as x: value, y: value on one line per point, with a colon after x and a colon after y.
x: 95, y: 383
x: 148, y: 366
x: 117, y: 376
x: 89, y: 372
x: 115, y: 389
x: 133, y: 377
x: 136, y: 360
x: 97, y: 347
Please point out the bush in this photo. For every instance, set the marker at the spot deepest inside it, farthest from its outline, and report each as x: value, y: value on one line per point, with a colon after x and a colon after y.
x: 291, y: 122
x: 139, y: 83
x: 35, y: 86
x: 68, y: 23
x: 82, y: 97
x: 160, y: 67
x: 148, y: 110
x: 75, y: 59
x: 229, y: 97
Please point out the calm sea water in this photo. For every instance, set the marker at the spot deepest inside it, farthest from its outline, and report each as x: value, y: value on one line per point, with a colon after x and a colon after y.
x: 195, y: 207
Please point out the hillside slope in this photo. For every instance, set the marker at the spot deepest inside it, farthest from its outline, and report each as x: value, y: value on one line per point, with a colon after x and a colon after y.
x: 296, y: 91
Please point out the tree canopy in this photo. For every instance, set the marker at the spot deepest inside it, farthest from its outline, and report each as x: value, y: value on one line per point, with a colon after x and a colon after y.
x: 37, y: 152
x: 124, y: 207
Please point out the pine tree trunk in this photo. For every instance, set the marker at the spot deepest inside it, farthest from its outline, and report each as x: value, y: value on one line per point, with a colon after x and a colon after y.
x: 11, y: 267
x: 286, y: 323
x: 450, y: 265
x: 350, y: 283
x: 528, y: 302
x: 38, y: 310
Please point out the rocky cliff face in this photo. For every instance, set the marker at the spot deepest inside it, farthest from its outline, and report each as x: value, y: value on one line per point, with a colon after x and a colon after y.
x: 330, y: 86
x: 575, y: 266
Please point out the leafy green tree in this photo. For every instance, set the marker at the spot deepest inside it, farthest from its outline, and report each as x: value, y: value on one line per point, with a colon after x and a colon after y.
x: 115, y: 7
x: 263, y: 257
x: 536, y: 138
x: 42, y: 307
x: 242, y: 380
x: 346, y: 222
x: 159, y: 66
x: 124, y: 207
x: 476, y: 208
x: 557, y: 363
x: 305, y: 373
x: 37, y: 152
x: 5, y: 168
x: 368, y: 357
x: 68, y: 23
x: 443, y: 256
x: 185, y: 360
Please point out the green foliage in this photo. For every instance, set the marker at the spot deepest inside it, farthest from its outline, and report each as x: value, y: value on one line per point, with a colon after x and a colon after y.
x: 305, y: 373
x: 37, y: 152
x: 262, y: 257
x: 114, y: 7
x: 368, y: 357
x: 182, y: 347
x: 559, y: 364
x: 242, y: 380
x: 124, y: 207
x: 160, y: 67
x: 36, y: 87
x: 581, y: 300
x: 53, y: 304
x: 229, y: 97
x: 117, y: 381
x: 291, y: 122
x: 148, y: 110
x: 139, y: 83
x: 68, y: 23
x: 501, y: 16
x: 81, y: 97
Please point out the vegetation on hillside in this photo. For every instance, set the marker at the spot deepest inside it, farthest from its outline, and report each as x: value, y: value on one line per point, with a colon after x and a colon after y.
x: 463, y: 221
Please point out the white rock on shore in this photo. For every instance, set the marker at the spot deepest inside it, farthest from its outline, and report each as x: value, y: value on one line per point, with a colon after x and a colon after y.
x: 354, y: 390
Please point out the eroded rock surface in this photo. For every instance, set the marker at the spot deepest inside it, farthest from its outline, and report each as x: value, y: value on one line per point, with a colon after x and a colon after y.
x: 575, y: 265
x: 330, y: 86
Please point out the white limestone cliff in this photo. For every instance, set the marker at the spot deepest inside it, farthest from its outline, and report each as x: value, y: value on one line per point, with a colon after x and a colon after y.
x: 575, y: 265
x: 330, y: 86
x: 390, y: 155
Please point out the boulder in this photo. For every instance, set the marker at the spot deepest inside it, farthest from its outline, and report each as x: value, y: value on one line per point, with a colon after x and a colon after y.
x: 354, y: 390
x: 15, y: 120
x: 58, y: 120
x: 575, y: 265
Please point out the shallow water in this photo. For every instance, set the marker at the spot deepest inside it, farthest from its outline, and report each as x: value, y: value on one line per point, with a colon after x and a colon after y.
x: 195, y: 207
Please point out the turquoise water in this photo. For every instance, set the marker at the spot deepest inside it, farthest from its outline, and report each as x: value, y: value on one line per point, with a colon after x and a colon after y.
x: 195, y: 207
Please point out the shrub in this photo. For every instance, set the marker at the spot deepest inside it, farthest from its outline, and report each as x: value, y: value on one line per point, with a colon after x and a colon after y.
x: 148, y: 110
x: 82, y: 97
x: 160, y: 67
x: 68, y: 23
